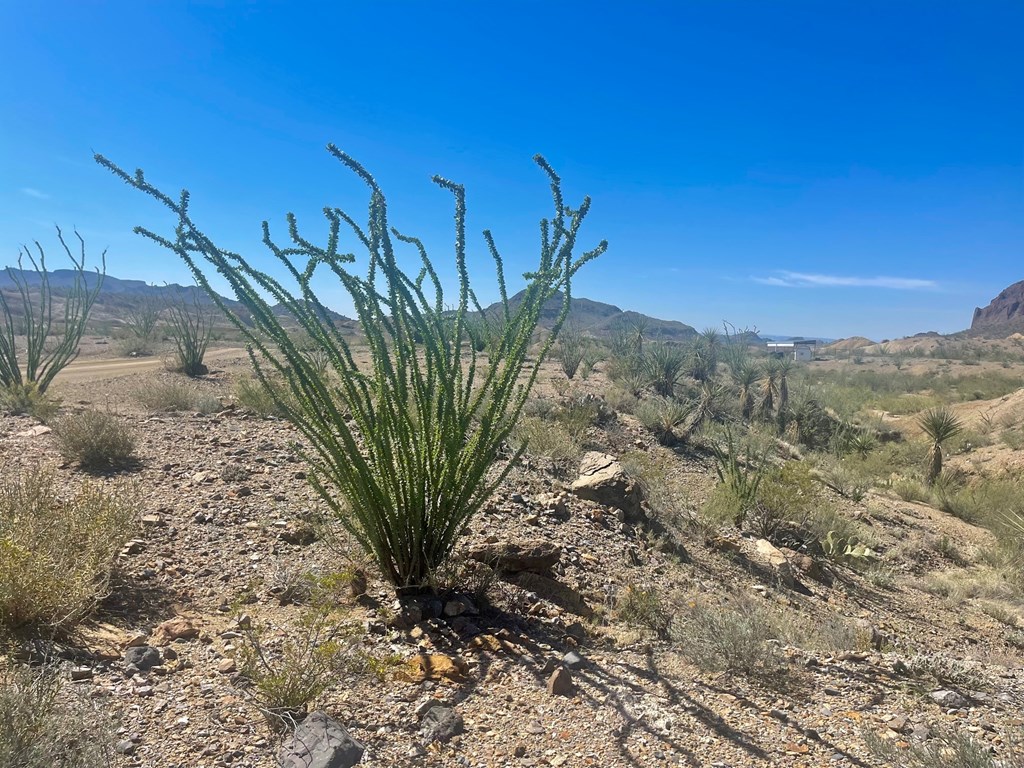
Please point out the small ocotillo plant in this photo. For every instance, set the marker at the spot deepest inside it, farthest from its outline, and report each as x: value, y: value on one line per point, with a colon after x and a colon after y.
x: 408, y: 468
x: 190, y: 329
x: 48, y: 348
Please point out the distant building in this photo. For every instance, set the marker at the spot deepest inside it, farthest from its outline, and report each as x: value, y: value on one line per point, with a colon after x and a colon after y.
x: 801, y: 350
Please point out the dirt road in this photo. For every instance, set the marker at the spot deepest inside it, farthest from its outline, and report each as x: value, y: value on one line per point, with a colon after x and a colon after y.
x: 92, y: 369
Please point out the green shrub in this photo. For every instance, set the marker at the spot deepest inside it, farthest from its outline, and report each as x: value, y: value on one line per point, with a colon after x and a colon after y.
x: 400, y: 451
x: 19, y: 399
x: 662, y: 415
x: 282, y: 675
x: 260, y: 398
x: 95, y: 440
x: 168, y: 396
x: 57, y: 553
x: 43, y: 724
x: 572, y: 348
x: 642, y: 607
x: 909, y: 489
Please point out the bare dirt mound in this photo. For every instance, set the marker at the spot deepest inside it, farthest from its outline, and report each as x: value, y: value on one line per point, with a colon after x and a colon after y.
x: 844, y: 345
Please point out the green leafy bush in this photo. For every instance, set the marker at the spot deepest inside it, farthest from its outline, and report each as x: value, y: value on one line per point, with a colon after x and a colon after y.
x: 56, y: 553
x: 409, y: 467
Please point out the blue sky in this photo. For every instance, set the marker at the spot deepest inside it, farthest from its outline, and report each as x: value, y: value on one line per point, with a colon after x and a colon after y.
x: 829, y: 168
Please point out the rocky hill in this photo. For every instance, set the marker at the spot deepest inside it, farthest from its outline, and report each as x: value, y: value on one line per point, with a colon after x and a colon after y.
x: 1004, y: 314
x: 603, y: 320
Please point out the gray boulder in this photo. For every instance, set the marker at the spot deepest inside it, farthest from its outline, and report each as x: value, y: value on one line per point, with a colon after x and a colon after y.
x: 321, y: 742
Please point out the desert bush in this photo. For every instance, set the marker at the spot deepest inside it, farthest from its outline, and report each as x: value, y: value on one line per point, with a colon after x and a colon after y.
x: 664, y: 493
x: 410, y: 467
x: 57, y: 552
x: 28, y: 400
x: 909, y: 489
x: 738, y: 481
x: 282, y: 675
x: 29, y: 311
x: 140, y: 323
x: 578, y: 414
x: 736, y: 636
x: 95, y: 440
x: 167, y: 396
x: 945, y: 748
x: 642, y: 607
x: 191, y: 328
x: 259, y: 397
x: 43, y: 724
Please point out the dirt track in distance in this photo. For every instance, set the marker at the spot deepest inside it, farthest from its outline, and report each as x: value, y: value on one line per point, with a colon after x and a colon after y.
x: 93, y: 369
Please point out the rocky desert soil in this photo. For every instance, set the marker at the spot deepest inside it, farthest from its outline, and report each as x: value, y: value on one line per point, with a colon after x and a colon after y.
x: 531, y: 667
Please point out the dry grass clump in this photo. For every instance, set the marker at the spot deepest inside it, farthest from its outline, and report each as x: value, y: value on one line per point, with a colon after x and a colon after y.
x: 95, y: 440
x: 56, y: 554
x: 174, y: 396
x: 945, y: 749
x: 44, y: 725
x: 542, y: 437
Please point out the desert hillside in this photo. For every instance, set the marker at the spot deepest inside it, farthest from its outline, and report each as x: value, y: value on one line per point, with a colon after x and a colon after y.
x: 610, y: 605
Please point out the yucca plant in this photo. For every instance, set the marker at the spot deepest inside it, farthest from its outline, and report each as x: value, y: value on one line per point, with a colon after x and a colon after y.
x: 769, y: 387
x: 410, y: 467
x: 665, y: 366
x: 29, y: 311
x: 745, y: 376
x: 940, y: 424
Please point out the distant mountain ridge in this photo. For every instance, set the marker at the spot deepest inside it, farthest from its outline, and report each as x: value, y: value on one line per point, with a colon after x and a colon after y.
x: 602, y: 320
x: 117, y: 294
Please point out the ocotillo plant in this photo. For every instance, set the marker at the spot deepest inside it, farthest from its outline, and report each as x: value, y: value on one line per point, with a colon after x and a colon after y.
x: 400, y: 449
x: 48, y: 349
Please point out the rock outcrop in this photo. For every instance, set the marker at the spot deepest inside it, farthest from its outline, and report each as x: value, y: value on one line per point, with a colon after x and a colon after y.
x: 1004, y: 314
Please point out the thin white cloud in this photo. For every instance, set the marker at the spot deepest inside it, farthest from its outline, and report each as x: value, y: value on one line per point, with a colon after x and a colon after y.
x: 31, y: 192
x: 786, y: 279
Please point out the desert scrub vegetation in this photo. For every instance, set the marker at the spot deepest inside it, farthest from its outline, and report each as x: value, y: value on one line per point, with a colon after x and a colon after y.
x: 58, y: 551
x: 739, y: 635
x: 410, y: 465
x: 282, y: 674
x: 173, y: 396
x: 29, y: 311
x: 95, y: 440
x: 44, y: 724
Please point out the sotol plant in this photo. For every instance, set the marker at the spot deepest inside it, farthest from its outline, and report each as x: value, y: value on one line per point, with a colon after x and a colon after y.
x: 409, y: 468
